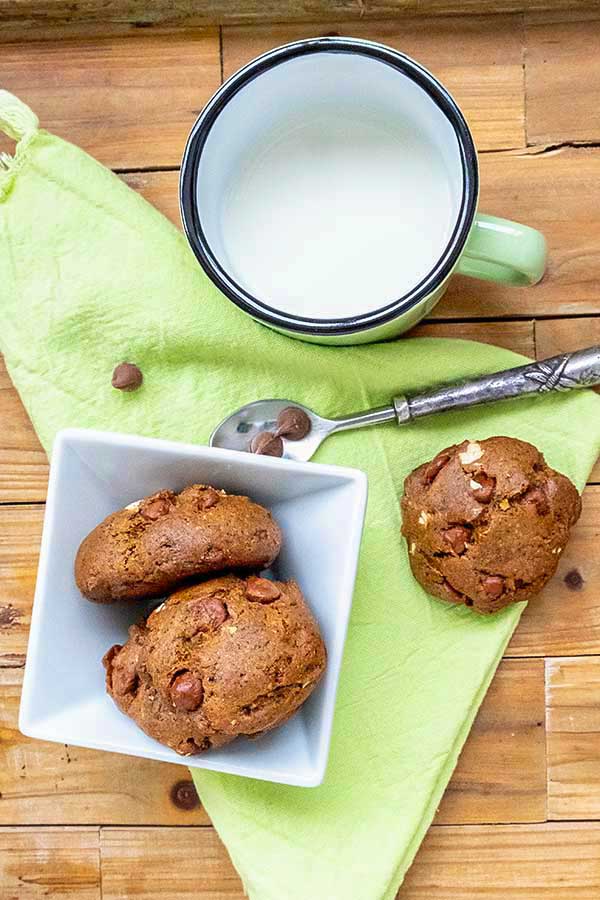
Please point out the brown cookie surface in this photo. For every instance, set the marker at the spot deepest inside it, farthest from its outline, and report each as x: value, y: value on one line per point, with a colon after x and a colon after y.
x: 151, y: 547
x: 486, y: 522
x: 223, y: 658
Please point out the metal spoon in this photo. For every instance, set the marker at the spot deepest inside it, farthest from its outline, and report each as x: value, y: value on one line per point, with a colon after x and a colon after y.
x: 559, y: 373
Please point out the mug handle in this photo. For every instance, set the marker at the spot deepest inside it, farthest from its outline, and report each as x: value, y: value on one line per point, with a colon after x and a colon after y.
x: 503, y: 251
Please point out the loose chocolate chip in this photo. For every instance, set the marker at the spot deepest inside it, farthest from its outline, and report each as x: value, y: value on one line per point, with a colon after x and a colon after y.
x: 186, y: 691
x: 261, y: 590
x: 435, y: 466
x: 155, y: 507
x: 574, y: 580
x: 493, y: 585
x: 538, y: 498
x: 184, y: 795
x: 457, y: 537
x: 483, y: 487
x: 266, y: 444
x: 127, y: 377
x: 293, y: 423
x: 208, y: 499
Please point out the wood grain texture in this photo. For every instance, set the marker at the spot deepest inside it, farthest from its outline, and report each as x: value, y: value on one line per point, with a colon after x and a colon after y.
x: 480, y: 62
x: 551, y: 861
x: 20, y: 535
x: 509, y: 730
x: 166, y: 864
x: 554, y: 336
x: 41, y: 16
x: 555, y: 192
x: 23, y: 463
x: 562, y: 77
x: 573, y: 725
x: 564, y: 620
x: 129, y: 101
x: 56, y: 784
x: 49, y: 863
x: 507, y: 862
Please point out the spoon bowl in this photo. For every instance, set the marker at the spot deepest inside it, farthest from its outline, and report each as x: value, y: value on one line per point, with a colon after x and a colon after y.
x: 237, y: 430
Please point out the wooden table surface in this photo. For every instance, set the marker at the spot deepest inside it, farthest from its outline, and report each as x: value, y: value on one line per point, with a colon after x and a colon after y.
x: 521, y: 817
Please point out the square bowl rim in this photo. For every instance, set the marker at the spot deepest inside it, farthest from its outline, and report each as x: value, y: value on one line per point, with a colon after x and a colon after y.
x: 34, y: 727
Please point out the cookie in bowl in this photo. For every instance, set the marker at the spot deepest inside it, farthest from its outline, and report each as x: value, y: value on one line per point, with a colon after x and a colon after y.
x: 486, y: 522
x: 149, y: 548
x: 226, y: 657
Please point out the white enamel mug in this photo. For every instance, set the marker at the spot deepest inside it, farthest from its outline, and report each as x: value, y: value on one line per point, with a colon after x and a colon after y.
x: 330, y: 190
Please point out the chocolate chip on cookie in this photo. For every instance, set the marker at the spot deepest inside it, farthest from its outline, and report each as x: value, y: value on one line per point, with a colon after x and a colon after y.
x: 261, y: 590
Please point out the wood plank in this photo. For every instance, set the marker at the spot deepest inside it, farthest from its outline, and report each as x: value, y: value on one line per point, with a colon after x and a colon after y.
x: 20, y: 535
x: 562, y: 77
x: 23, y: 463
x: 51, y: 863
x: 31, y: 16
x: 551, y: 861
x: 564, y: 620
x: 166, y: 864
x: 44, y: 783
x: 161, y: 189
x: 23, y: 468
x: 507, y: 862
x: 554, y: 336
x: 573, y: 733
x: 129, y: 101
x: 509, y: 730
x: 555, y: 192
x: 479, y: 59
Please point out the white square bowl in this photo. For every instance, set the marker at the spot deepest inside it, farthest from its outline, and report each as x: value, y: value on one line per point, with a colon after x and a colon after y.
x: 320, y: 510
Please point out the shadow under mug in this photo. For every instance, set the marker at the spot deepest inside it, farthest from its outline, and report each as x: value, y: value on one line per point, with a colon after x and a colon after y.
x: 342, y: 103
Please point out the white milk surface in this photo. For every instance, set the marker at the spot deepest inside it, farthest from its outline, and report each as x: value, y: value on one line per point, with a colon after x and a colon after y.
x: 332, y: 218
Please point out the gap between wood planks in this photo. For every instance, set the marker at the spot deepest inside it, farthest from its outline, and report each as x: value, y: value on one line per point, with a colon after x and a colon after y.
x: 529, y: 150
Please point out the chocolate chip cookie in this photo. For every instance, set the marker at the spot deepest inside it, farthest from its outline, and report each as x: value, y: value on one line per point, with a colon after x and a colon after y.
x: 486, y: 522
x: 223, y: 658
x: 152, y: 546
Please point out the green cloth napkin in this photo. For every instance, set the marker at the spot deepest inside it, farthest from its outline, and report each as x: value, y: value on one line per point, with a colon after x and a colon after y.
x: 91, y: 275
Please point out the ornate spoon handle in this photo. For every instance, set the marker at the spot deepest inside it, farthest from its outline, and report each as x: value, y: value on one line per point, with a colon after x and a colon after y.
x: 559, y: 373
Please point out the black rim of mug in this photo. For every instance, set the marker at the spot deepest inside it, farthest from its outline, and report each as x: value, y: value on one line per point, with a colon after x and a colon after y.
x: 341, y: 326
